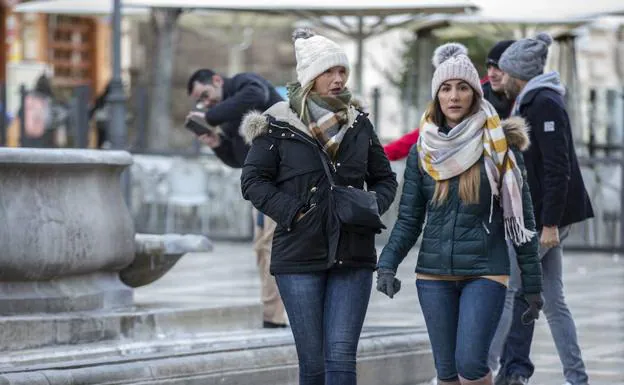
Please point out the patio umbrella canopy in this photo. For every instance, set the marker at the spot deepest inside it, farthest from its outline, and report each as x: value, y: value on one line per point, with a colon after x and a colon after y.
x: 74, y: 7
x: 319, y: 8
x: 316, y: 8
x: 362, y: 27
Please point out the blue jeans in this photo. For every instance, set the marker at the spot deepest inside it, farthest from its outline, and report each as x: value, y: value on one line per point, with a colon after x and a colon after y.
x: 515, y: 355
x: 461, y: 318
x: 326, y: 312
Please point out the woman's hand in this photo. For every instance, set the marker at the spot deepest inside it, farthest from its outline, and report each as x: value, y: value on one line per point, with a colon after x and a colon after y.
x: 387, y: 283
x: 536, y: 302
x: 550, y: 237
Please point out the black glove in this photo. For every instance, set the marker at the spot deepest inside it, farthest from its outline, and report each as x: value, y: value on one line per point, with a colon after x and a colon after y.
x: 536, y: 302
x: 387, y: 283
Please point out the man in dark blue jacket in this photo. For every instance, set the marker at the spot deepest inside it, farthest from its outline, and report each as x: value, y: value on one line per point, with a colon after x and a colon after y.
x: 226, y: 101
x: 559, y: 200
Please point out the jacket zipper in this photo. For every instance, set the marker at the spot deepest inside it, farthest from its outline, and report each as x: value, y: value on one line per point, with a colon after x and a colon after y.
x: 313, y: 206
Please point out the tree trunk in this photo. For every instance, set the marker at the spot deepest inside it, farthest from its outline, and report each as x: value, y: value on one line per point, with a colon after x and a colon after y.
x: 159, y: 122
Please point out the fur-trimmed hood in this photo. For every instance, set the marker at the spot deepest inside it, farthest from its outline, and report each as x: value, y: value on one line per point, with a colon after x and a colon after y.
x: 517, y: 132
x: 255, y: 123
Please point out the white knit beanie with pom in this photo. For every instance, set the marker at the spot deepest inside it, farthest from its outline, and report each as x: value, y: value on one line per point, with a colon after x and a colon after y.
x: 316, y: 54
x: 452, y: 63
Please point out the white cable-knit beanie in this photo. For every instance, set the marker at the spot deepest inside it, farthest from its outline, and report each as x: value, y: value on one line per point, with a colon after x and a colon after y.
x: 316, y: 54
x: 452, y: 62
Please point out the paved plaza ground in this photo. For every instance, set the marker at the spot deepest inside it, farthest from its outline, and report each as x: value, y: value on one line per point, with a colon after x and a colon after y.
x: 594, y: 287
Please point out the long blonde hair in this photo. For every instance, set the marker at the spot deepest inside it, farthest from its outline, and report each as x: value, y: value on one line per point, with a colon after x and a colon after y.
x: 469, y: 180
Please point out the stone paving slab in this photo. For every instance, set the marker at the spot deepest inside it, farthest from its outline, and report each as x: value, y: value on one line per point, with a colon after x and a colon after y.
x: 162, y: 320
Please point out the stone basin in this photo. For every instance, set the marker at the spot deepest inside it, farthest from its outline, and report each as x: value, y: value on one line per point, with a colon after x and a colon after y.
x: 66, y: 231
x: 156, y: 254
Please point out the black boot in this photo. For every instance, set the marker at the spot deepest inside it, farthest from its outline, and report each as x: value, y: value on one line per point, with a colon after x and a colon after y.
x: 272, y: 325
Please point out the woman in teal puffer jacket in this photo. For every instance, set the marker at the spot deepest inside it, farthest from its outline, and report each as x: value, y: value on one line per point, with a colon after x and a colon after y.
x: 466, y: 178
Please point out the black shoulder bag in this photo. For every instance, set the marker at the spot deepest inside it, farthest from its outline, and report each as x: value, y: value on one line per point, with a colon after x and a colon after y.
x: 353, y: 206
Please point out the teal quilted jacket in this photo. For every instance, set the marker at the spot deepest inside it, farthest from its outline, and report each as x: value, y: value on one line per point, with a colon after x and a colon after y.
x: 459, y: 239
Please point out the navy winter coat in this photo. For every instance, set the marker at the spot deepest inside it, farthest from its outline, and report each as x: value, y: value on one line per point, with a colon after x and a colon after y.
x: 242, y: 93
x: 557, y: 187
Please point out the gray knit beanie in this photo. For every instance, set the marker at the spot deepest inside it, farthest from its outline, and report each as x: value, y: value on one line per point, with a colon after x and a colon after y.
x: 526, y: 58
x: 452, y: 62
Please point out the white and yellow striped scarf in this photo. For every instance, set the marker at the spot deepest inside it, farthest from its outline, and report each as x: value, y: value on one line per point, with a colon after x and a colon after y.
x: 446, y: 156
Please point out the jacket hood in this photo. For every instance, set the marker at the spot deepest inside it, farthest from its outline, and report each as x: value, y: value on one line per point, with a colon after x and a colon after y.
x: 256, y: 123
x: 517, y: 132
x: 549, y: 80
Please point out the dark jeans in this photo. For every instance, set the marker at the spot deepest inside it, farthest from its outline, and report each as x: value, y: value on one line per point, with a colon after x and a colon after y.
x: 326, y: 311
x: 461, y: 318
x: 517, y: 348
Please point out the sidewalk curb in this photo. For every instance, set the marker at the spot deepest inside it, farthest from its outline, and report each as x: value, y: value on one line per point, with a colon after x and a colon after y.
x: 393, y: 356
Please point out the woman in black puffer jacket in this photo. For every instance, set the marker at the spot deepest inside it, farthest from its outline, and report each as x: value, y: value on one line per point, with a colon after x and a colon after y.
x: 323, y: 269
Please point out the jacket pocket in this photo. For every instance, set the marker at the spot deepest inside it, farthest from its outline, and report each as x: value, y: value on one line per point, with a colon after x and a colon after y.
x: 305, y: 242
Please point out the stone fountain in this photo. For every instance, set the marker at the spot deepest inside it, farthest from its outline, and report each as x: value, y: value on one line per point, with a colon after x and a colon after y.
x: 70, y: 256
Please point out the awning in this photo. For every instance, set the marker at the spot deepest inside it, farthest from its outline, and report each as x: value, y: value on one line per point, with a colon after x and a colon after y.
x: 546, y: 10
x: 73, y: 7
x: 318, y: 7
x: 313, y: 8
x: 493, y: 28
x: 355, y: 19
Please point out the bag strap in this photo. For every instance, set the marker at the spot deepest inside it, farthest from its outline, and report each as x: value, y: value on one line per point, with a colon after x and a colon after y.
x: 325, y: 166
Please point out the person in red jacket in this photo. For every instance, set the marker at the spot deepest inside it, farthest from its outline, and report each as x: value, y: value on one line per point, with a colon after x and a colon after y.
x: 398, y: 149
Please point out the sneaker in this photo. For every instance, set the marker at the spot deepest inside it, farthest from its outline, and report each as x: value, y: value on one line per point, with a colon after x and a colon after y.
x: 516, y: 379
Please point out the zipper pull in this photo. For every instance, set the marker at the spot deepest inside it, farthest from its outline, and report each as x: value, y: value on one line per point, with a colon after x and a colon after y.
x: 485, y: 227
